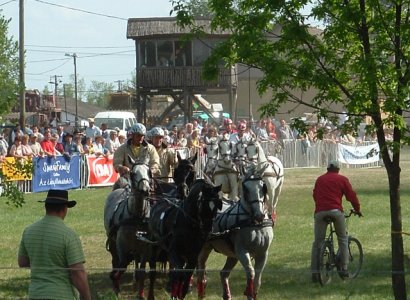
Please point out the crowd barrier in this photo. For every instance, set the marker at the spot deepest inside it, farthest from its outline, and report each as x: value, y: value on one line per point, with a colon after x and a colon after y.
x: 90, y: 171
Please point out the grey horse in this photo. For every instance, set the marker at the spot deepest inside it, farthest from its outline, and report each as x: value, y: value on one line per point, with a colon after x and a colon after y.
x: 126, y: 211
x: 243, y: 231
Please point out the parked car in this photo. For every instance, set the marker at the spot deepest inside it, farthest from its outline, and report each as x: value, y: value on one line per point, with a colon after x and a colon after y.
x: 121, y: 119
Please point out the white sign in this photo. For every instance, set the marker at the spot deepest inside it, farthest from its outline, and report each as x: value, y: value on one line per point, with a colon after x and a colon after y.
x: 355, y: 155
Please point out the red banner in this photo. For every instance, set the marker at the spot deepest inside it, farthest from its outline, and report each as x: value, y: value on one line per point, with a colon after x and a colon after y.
x: 101, y: 171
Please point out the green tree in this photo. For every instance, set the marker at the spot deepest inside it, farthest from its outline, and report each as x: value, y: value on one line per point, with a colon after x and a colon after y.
x: 9, y: 70
x: 99, y: 92
x: 46, y: 91
x: 68, y: 88
x: 358, y: 60
x: 199, y: 8
x: 9, y: 88
x: 130, y: 84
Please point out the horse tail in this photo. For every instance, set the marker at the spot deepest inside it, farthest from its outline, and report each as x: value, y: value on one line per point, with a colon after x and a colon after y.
x: 111, y: 236
x: 107, y: 245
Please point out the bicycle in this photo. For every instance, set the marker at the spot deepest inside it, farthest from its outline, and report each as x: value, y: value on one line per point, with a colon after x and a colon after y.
x: 329, y: 259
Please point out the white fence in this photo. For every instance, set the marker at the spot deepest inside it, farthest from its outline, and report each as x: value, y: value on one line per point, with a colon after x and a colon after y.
x: 296, y: 154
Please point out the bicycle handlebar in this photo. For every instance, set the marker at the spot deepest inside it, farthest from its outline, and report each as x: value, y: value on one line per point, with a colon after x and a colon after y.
x: 353, y: 212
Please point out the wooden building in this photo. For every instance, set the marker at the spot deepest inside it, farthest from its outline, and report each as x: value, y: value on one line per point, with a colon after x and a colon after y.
x: 168, y: 65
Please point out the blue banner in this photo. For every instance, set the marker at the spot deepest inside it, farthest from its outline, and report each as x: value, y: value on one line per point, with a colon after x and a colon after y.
x: 56, y: 173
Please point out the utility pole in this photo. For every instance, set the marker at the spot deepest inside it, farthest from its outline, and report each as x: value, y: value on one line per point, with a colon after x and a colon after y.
x: 65, y: 102
x: 55, y: 82
x: 74, y: 56
x: 22, y: 94
x: 119, y: 85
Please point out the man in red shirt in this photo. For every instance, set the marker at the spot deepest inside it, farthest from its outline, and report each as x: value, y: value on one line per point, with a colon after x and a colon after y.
x: 328, y: 193
x: 47, y: 145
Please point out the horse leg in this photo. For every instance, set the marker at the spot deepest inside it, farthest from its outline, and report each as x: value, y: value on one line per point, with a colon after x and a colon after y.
x: 233, y: 183
x: 260, y: 262
x: 152, y: 272
x: 124, y: 255
x: 176, y: 265
x: 139, y: 274
x: 187, y: 277
x: 115, y: 262
x: 245, y: 259
x: 224, y: 274
x: 200, y: 271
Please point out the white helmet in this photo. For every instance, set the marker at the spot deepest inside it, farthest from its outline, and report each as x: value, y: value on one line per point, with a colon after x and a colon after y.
x: 157, y: 131
x: 138, y: 128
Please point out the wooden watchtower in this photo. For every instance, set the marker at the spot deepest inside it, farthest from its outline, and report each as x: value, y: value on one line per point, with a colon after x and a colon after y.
x: 168, y: 65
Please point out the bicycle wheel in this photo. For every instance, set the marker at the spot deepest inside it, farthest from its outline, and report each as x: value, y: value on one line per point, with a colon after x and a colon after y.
x: 355, y: 257
x: 325, y: 263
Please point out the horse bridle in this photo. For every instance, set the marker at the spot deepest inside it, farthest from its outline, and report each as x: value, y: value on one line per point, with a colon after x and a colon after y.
x: 256, y: 150
x: 212, y: 158
x: 201, y: 220
x: 182, y: 187
x: 213, y: 149
x: 252, y: 201
x: 223, y: 155
x: 142, y: 179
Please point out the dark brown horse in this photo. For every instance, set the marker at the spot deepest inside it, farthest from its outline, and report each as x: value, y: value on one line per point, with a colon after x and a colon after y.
x: 184, y: 176
x: 182, y: 229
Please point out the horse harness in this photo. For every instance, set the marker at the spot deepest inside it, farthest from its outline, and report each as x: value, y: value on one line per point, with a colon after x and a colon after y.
x: 223, y: 219
x: 275, y: 173
x: 179, y: 205
x: 121, y: 208
x: 212, y: 158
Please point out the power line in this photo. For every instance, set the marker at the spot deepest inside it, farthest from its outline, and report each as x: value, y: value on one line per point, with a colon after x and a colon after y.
x: 106, y: 54
x: 67, y: 60
x: 82, y: 10
x: 87, y: 55
x: 7, y: 2
x: 84, y: 53
x: 81, y: 47
x: 46, y: 60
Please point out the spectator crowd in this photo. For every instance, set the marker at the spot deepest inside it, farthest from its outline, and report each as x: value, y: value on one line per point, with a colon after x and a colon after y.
x: 63, y: 140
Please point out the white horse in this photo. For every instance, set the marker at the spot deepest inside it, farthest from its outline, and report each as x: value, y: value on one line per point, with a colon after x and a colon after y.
x: 242, y: 232
x: 272, y: 172
x: 211, y: 151
x: 226, y: 173
x: 240, y: 156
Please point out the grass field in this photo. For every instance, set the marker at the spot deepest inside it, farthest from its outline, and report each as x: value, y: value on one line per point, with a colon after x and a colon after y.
x: 287, y: 273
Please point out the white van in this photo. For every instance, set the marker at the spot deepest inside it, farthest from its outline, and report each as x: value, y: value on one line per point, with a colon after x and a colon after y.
x: 121, y: 119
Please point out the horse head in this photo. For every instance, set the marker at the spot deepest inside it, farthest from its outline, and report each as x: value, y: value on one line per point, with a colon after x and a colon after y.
x: 184, y: 175
x: 225, y: 148
x: 207, y: 203
x: 211, y: 151
x: 140, y: 176
x: 241, y: 158
x: 252, y: 151
x: 254, y: 196
x: 211, y: 147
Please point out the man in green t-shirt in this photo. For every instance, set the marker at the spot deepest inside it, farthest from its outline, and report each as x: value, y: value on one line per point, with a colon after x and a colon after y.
x: 54, y: 254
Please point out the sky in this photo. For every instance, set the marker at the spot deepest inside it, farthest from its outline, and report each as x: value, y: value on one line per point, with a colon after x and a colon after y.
x: 95, y: 30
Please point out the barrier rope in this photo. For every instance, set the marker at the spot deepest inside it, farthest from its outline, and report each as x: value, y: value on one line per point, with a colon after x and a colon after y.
x: 400, y: 232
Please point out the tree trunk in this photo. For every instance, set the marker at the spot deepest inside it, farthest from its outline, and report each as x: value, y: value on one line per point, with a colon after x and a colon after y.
x: 398, y: 275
